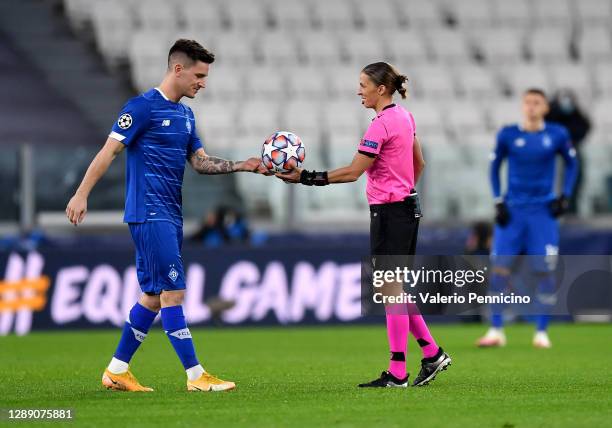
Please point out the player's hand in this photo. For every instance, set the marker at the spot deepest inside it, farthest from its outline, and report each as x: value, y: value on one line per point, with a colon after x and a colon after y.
x: 76, y: 209
x: 292, y: 176
x: 252, y: 165
x: 502, y: 215
x: 558, y: 206
x: 264, y: 171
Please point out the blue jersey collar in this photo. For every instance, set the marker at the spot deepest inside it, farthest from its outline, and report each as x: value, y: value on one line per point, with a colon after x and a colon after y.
x: 520, y: 127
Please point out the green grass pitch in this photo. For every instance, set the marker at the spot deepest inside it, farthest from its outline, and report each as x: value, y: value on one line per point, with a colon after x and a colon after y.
x: 308, y: 376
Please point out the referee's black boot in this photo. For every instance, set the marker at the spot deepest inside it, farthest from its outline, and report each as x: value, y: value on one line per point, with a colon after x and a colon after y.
x: 386, y: 380
x: 430, y: 367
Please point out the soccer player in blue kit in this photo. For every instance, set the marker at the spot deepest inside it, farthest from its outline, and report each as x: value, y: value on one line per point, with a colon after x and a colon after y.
x: 526, y: 216
x: 159, y: 134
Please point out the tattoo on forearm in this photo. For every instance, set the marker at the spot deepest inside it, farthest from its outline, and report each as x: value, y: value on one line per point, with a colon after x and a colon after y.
x: 212, y: 165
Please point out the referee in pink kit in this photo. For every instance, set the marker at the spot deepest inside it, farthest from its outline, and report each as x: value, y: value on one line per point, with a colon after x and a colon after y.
x: 391, y: 157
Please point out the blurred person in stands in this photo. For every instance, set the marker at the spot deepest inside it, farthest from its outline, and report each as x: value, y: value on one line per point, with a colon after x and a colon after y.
x: 159, y: 134
x: 236, y: 226
x: 390, y: 155
x: 526, y: 215
x: 479, y: 239
x: 211, y: 232
x: 222, y: 226
x: 565, y: 110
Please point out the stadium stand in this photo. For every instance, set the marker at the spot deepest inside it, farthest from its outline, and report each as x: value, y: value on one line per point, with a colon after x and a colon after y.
x: 470, y: 13
x: 295, y: 64
x: 407, y: 46
x: 515, y: 14
x: 594, y: 12
x: 374, y: 15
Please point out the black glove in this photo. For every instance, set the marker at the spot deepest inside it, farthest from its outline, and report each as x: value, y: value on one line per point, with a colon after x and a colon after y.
x: 558, y: 206
x: 502, y: 215
x: 314, y: 178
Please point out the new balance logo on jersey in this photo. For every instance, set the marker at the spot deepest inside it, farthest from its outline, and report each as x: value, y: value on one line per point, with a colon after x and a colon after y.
x: 519, y: 142
x: 166, y: 122
x: 188, y: 125
x: 546, y: 141
x: 173, y: 275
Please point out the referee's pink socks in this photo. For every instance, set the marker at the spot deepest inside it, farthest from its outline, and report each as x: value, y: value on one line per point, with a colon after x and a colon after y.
x: 421, y: 333
x: 397, y: 331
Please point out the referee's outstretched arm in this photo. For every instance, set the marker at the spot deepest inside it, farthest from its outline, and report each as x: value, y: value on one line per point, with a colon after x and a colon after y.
x: 347, y: 174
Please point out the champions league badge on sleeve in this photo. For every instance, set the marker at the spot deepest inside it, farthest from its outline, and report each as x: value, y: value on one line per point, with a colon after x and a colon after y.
x: 125, y: 121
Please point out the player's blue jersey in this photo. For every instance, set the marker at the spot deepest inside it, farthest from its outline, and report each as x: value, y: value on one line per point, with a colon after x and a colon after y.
x: 160, y: 135
x: 531, y: 163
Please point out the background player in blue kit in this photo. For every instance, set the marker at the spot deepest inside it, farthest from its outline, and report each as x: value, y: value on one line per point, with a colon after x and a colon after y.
x: 159, y: 134
x: 526, y: 219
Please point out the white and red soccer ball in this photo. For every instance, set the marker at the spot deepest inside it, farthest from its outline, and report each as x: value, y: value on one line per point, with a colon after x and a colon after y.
x: 282, y: 151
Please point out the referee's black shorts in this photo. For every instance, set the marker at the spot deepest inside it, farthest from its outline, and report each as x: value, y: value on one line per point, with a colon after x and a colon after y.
x: 394, y: 227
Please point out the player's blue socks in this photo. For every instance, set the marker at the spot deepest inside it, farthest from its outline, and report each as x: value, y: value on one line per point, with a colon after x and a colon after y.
x: 135, y: 330
x: 176, y: 329
x: 499, y: 284
x: 545, y: 300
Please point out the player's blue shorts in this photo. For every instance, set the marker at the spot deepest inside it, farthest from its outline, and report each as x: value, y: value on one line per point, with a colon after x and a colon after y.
x: 159, y: 264
x: 532, y: 230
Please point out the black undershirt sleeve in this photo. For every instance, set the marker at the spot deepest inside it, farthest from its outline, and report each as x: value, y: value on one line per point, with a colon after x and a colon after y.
x: 368, y: 154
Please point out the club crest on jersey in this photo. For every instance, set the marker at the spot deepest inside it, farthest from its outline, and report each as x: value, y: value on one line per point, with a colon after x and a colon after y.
x: 173, y: 275
x: 125, y: 121
x: 188, y: 125
x: 519, y: 142
x: 546, y: 141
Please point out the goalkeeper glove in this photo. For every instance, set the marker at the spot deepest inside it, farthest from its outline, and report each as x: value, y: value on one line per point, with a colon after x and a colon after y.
x: 558, y: 206
x: 502, y: 215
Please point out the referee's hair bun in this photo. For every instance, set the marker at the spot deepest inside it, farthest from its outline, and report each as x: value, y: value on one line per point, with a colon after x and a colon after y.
x: 383, y: 73
x: 400, y: 80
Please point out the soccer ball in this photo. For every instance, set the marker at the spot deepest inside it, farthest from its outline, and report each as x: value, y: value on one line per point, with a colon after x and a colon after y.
x: 282, y: 151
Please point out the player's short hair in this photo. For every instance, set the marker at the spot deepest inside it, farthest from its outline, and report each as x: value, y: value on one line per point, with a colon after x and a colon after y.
x: 383, y: 73
x: 190, y: 49
x: 536, y: 91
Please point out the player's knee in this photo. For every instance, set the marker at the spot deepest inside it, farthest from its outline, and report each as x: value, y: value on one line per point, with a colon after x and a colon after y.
x: 172, y: 298
x: 152, y: 303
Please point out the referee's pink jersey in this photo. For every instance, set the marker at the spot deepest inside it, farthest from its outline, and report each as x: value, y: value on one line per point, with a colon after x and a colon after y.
x: 390, y: 137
